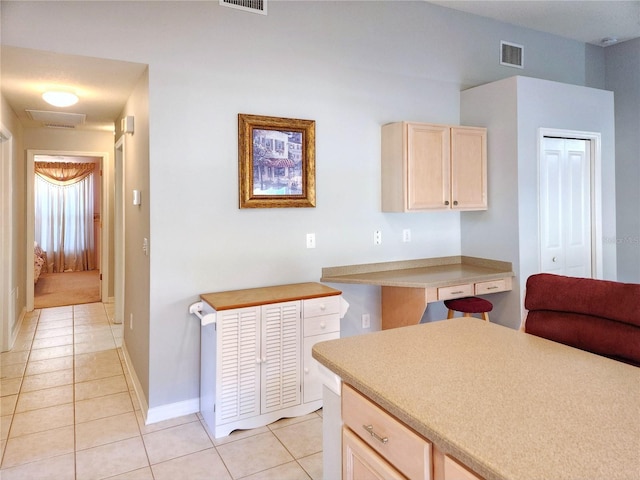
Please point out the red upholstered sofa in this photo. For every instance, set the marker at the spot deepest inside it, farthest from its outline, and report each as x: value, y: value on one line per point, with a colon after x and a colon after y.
x: 599, y: 316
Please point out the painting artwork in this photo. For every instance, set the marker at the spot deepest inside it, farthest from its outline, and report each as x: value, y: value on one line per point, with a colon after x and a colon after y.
x: 276, y: 162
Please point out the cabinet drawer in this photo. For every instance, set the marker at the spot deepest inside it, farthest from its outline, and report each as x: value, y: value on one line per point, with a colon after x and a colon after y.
x: 457, y: 291
x: 491, y: 287
x: 321, y: 324
x: 321, y: 306
x: 403, y: 448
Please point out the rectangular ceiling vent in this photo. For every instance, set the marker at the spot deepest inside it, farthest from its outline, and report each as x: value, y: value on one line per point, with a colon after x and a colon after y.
x: 57, y: 119
x: 511, y: 54
x: 254, y: 6
x: 58, y: 125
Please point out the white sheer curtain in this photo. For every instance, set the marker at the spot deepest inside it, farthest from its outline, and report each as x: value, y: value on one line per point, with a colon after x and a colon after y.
x: 64, y: 216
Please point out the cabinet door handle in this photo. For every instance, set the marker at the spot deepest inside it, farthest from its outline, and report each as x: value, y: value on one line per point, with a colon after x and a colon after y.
x: 446, y: 202
x: 369, y: 428
x: 323, y: 325
x: 455, y: 202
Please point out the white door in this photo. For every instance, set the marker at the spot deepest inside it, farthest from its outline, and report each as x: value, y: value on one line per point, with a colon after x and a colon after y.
x: 565, y: 207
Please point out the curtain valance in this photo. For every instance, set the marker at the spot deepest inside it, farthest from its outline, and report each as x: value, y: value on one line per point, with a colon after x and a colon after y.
x: 62, y: 173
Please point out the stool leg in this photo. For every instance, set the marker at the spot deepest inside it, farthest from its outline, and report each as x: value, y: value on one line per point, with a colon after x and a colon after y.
x: 466, y: 314
x: 450, y: 314
x: 485, y: 316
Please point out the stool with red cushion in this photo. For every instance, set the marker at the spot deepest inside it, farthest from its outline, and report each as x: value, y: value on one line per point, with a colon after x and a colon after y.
x: 469, y: 305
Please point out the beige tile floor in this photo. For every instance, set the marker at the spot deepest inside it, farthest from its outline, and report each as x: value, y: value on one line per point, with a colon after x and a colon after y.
x: 68, y: 411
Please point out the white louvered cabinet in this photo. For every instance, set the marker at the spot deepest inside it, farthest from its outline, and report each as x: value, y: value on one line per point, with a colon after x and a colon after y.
x: 258, y: 375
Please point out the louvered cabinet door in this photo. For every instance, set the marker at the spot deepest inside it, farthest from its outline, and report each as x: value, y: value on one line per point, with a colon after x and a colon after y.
x: 238, y: 364
x: 281, y: 339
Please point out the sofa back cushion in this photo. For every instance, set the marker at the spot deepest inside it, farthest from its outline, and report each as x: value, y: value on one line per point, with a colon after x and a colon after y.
x: 599, y: 316
x: 601, y: 298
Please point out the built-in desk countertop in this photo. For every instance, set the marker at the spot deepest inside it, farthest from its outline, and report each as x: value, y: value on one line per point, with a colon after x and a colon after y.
x: 506, y: 404
x: 408, y: 286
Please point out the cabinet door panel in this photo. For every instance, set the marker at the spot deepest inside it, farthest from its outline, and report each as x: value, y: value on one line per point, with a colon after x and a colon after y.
x: 311, y: 376
x: 468, y: 168
x: 281, y: 338
x: 360, y: 462
x: 428, y: 166
x: 454, y: 471
x: 238, y: 391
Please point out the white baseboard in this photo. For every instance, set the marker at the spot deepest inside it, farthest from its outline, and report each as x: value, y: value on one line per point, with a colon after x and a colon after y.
x: 163, y: 412
x: 13, y: 334
x: 137, y: 386
x: 172, y: 410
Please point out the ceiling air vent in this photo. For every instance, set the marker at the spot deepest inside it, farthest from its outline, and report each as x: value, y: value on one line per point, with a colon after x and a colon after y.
x: 57, y: 119
x: 58, y: 125
x: 254, y: 6
x: 511, y: 54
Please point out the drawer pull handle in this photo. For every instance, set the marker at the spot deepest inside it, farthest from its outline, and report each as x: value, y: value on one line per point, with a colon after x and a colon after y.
x: 492, y: 288
x: 369, y: 428
x: 457, y: 293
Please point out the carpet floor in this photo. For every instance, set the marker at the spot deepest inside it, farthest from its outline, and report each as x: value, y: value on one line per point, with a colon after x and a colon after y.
x: 71, y: 288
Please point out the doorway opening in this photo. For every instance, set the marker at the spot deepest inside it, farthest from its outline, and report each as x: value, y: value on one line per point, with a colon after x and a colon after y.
x: 93, y: 267
x: 569, y: 203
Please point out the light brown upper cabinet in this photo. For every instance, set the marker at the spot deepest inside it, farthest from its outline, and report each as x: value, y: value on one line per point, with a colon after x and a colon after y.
x: 433, y: 167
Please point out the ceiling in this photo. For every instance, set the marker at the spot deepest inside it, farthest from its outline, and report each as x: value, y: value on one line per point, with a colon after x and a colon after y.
x: 585, y: 21
x: 102, y: 85
x: 105, y: 85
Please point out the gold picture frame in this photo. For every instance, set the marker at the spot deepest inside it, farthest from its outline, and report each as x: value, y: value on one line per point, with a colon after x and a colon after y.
x: 276, y: 162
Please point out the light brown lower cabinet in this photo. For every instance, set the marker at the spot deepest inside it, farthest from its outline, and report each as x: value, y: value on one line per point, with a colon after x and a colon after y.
x: 375, y: 445
x: 360, y: 462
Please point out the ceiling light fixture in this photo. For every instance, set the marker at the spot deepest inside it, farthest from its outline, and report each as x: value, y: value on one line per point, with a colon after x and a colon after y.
x: 60, y: 99
x: 606, y: 41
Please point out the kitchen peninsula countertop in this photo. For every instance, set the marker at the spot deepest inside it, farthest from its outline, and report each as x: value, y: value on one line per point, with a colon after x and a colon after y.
x: 507, y: 404
x: 421, y: 273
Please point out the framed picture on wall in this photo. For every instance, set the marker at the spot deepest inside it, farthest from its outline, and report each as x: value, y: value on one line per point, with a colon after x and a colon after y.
x: 276, y: 162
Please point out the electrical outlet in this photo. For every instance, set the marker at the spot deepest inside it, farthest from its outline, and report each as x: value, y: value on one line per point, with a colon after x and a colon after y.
x: 377, y: 237
x: 145, y: 246
x: 131, y: 321
x: 311, y: 240
x: 366, y: 320
x: 406, y: 235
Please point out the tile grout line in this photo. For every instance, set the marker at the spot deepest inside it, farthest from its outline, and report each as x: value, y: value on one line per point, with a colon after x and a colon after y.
x: 24, y: 372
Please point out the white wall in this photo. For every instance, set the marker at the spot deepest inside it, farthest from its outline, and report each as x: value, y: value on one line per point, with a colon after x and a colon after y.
x: 137, y: 322
x: 513, y: 110
x: 351, y: 66
x: 623, y: 77
x: 14, y: 234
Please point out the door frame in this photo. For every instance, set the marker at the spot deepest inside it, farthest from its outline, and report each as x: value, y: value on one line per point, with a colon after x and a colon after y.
x: 119, y: 228
x: 104, y: 219
x: 595, y: 145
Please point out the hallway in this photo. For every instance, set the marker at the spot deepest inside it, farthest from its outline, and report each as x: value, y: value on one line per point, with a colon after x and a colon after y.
x: 69, y: 412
